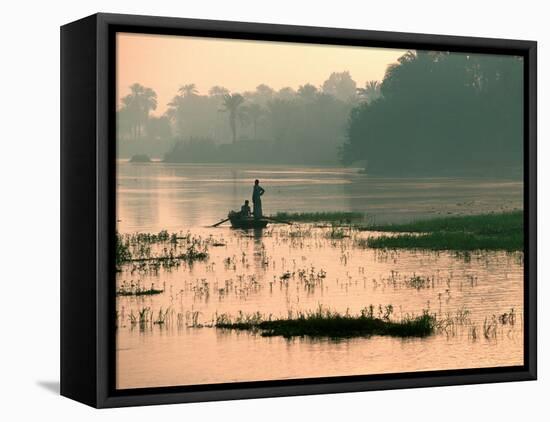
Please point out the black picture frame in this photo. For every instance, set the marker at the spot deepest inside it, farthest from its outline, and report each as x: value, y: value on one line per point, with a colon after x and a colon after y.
x: 88, y: 209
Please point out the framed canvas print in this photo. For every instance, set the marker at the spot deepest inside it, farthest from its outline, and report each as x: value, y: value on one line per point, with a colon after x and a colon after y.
x: 253, y: 210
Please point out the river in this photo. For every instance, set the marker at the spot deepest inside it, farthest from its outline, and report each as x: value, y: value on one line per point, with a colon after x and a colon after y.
x: 245, y: 273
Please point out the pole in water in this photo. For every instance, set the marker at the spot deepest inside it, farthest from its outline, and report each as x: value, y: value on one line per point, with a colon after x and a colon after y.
x: 220, y: 222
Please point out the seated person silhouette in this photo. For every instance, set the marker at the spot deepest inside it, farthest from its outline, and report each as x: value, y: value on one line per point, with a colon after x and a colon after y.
x: 245, y: 209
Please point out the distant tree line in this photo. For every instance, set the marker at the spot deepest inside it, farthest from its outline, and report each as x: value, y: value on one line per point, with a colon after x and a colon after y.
x: 306, y: 125
x: 441, y: 113
x: 433, y: 113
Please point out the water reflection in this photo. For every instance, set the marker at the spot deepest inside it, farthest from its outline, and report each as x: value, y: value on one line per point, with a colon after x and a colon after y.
x: 158, y: 196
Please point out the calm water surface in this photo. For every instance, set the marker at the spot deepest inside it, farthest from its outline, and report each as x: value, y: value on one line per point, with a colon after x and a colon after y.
x: 243, y: 274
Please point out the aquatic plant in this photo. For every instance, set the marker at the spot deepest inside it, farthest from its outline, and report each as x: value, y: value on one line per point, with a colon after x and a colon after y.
x: 490, y: 327
x: 142, y: 318
x: 337, y: 232
x: 298, y: 232
x: 286, y: 275
x: 192, y: 318
x: 162, y: 317
x: 326, y: 323
x: 122, y: 251
x: 151, y: 251
x: 131, y: 289
x: 508, y: 317
x: 144, y: 260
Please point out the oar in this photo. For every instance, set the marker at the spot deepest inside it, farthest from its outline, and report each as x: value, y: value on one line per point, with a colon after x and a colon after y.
x: 278, y: 221
x: 220, y: 222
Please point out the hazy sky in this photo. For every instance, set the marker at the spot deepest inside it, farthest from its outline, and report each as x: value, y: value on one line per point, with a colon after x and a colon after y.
x: 165, y: 62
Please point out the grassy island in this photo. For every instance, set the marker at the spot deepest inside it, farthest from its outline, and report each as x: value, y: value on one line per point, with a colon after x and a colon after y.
x: 494, y: 231
x: 326, y: 323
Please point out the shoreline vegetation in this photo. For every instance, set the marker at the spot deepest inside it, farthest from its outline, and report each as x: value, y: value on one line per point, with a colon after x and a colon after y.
x: 327, y: 323
x: 140, y: 158
x: 493, y: 231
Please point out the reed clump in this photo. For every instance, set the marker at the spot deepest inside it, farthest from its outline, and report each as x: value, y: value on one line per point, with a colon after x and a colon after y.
x: 136, y: 289
x: 326, y: 323
x: 150, y: 251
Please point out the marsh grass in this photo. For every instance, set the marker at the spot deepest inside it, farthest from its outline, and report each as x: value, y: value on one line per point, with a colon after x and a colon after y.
x: 331, y: 324
x: 418, y: 282
x: 495, y: 231
x: 131, y: 289
x: 150, y: 251
x: 122, y: 251
x: 299, y: 233
x: 448, y: 241
x: 325, y: 323
x: 338, y: 232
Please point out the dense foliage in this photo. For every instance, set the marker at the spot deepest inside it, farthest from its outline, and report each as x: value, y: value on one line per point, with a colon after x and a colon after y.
x: 439, y: 113
x: 493, y: 231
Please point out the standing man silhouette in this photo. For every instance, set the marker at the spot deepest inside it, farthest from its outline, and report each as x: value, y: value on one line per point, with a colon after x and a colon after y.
x: 257, y: 192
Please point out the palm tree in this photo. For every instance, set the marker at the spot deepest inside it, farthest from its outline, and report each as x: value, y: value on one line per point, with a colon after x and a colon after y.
x: 254, y: 112
x: 137, y: 106
x: 231, y: 103
x: 188, y: 90
x: 370, y: 92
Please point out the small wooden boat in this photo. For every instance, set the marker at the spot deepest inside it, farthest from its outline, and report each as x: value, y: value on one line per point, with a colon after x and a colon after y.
x: 240, y: 222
